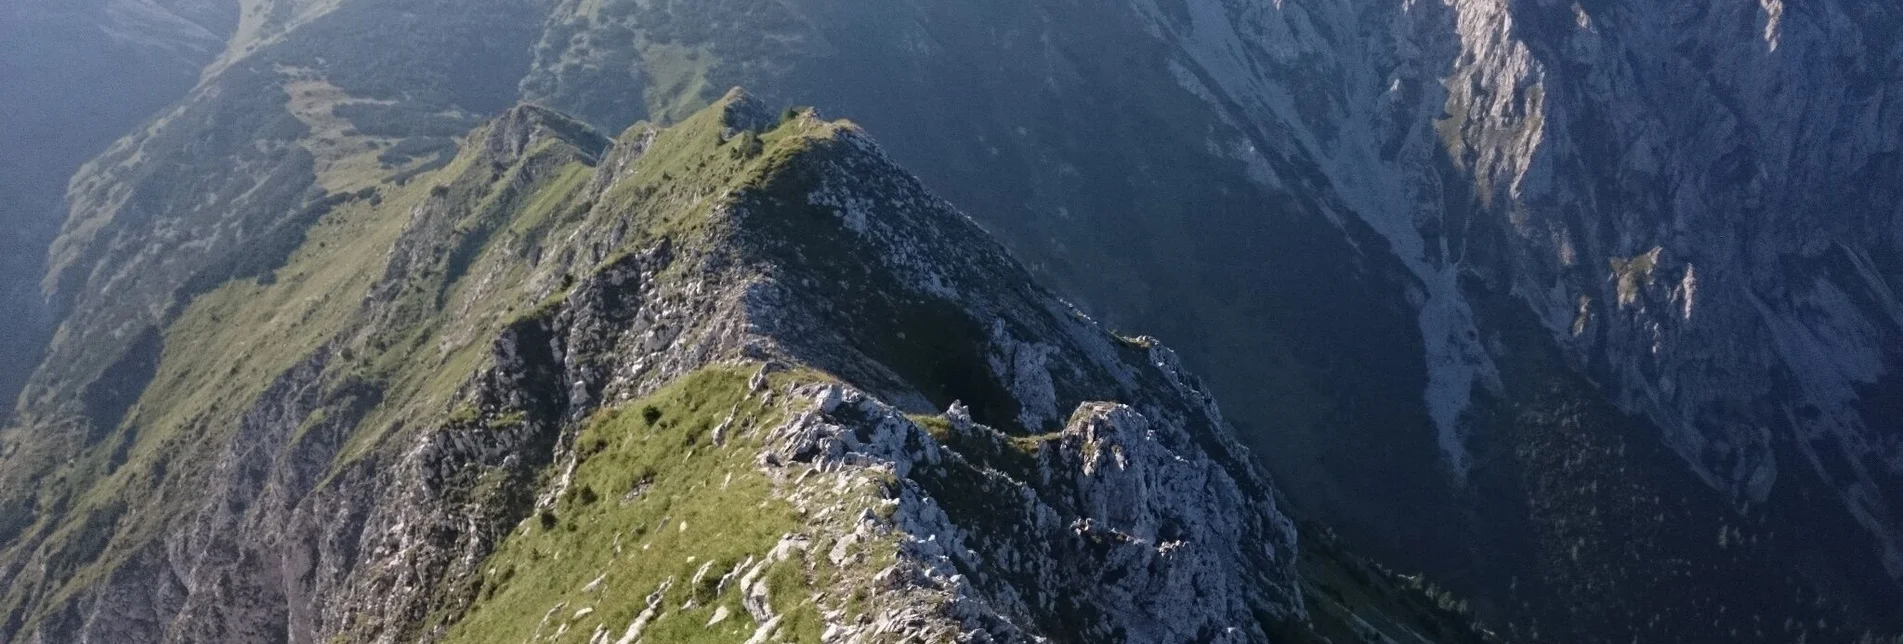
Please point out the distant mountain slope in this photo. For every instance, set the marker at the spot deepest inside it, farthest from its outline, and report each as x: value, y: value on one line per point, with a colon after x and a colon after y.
x: 74, y: 76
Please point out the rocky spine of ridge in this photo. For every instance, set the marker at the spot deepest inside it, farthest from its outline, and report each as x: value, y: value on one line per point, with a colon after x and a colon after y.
x: 1079, y: 485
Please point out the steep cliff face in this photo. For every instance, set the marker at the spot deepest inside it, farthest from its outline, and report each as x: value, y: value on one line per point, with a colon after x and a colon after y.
x: 1683, y: 196
x: 1751, y: 301
x: 686, y: 384
x: 1698, y: 219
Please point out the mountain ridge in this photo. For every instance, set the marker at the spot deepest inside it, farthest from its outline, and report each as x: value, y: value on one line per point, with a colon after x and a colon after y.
x: 1427, y: 253
x: 694, y: 320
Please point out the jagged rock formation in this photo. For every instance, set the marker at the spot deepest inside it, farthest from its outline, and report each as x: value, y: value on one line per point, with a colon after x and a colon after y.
x: 723, y: 324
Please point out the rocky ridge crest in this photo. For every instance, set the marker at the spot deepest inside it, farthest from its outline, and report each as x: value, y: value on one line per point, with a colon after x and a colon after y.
x: 550, y: 285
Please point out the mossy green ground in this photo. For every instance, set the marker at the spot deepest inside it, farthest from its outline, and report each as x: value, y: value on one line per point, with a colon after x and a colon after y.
x: 653, y: 504
x: 692, y: 167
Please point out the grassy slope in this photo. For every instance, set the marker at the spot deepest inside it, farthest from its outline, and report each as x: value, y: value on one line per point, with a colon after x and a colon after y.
x: 221, y: 353
x: 228, y: 345
x: 653, y: 504
x: 654, y: 507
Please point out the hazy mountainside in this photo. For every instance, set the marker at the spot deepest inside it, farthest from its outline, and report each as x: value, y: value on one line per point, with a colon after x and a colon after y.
x: 1684, y: 198
x: 1586, y: 309
x: 679, y: 386
x: 74, y: 76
